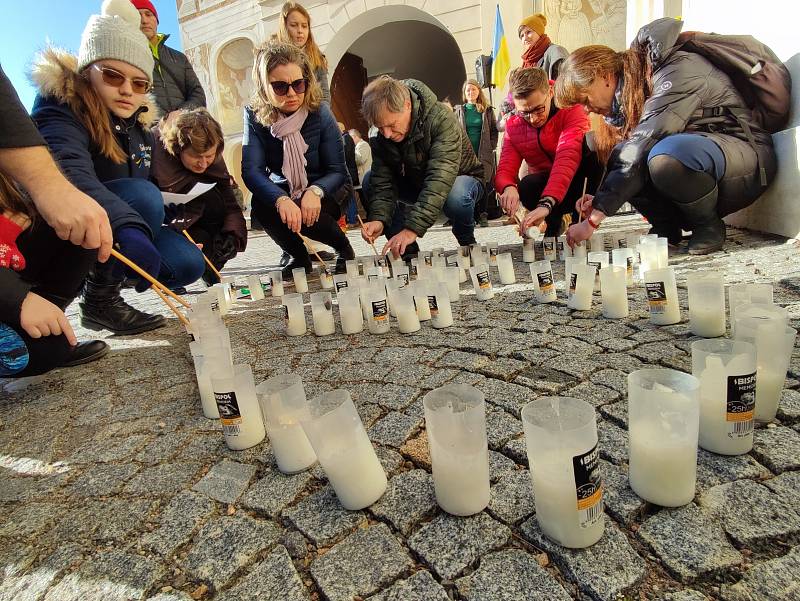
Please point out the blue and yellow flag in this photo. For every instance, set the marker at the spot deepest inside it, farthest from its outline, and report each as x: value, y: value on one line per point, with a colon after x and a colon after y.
x: 501, y: 63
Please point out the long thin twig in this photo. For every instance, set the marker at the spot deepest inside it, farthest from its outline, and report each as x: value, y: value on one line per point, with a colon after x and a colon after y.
x: 585, y: 182
x: 172, y: 307
x: 205, y: 258
x: 372, y: 244
x: 119, y: 256
x: 310, y: 245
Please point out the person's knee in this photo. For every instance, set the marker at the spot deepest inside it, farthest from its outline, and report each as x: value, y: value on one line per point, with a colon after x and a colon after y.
x: 464, y: 193
x: 664, y: 169
x: 146, y: 199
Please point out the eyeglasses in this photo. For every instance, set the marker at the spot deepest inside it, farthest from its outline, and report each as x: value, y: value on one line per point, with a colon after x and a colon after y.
x: 281, y: 88
x: 539, y: 110
x: 115, y: 79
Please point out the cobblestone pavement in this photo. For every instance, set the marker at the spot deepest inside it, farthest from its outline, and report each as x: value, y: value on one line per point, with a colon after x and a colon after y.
x: 114, y: 487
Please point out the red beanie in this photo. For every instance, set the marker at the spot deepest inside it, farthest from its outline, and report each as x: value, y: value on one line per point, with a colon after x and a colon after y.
x: 142, y: 4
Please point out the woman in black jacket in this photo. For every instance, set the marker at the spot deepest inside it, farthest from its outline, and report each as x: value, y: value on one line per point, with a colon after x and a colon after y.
x: 293, y: 157
x: 674, y: 148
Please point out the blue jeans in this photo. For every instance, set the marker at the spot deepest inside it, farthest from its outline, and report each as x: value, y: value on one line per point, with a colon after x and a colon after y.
x: 351, y: 210
x: 181, y: 261
x: 694, y: 151
x: 459, y: 207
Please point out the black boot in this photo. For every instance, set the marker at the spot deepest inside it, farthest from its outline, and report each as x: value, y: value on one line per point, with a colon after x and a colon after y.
x: 708, y: 230
x: 294, y: 262
x: 85, y: 352
x: 103, y: 307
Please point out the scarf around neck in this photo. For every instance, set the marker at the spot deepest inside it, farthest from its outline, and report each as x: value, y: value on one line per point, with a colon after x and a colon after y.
x: 535, y: 52
x: 287, y: 129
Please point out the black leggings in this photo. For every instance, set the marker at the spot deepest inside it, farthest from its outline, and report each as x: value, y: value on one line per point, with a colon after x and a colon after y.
x: 57, y: 269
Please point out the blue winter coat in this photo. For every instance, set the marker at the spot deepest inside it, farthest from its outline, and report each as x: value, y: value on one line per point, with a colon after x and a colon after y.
x: 262, y: 156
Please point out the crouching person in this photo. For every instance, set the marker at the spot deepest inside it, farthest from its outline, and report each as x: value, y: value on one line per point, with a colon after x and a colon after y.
x: 423, y: 165
x: 92, y: 110
x: 187, y: 150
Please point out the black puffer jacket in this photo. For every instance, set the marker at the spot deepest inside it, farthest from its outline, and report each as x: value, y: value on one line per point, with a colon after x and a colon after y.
x: 684, y: 84
x: 175, y: 84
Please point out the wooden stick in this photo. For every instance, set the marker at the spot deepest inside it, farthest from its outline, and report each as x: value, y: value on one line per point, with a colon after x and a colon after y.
x: 174, y: 309
x: 585, y: 182
x: 205, y: 258
x: 372, y: 244
x: 310, y: 245
x: 119, y: 256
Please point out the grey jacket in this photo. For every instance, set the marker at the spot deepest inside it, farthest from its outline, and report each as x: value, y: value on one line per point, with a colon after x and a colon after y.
x: 551, y: 60
x: 175, y: 84
x: 488, y: 142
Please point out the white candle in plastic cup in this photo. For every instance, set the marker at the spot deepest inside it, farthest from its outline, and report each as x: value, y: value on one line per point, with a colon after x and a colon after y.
x: 569, y: 264
x: 581, y: 286
x: 505, y: 267
x: 614, y: 292
x: 597, y: 243
x: 742, y: 294
x: 407, y: 320
x: 619, y: 240
x: 420, y: 290
x: 663, y: 425
x: 549, y: 248
x: 599, y: 259
x: 218, y: 290
x: 325, y: 279
x: 561, y: 441
x: 350, y: 311
x: 439, y: 304
x: 662, y: 252
x: 662, y: 296
x: 528, y: 250
x: 254, y: 284
x: 351, y: 268
x: 453, y: 279
x: 648, y: 257
x: 402, y: 276
x: 562, y: 248
x: 464, y: 257
x: 579, y: 250
x: 478, y: 255
x: 283, y: 405
x: 295, y: 314
x: 623, y: 257
x: 544, y: 285
x: 276, y: 277
x: 493, y: 250
x: 300, y: 279
x: 378, y: 322
x: 706, y: 304
x: 726, y: 370
x: 322, y: 313
x: 765, y: 326
x: 632, y: 242
x: 204, y: 361
x: 344, y: 451
x: 340, y: 282
x: 481, y: 282
x: 239, y: 412
x: 455, y: 422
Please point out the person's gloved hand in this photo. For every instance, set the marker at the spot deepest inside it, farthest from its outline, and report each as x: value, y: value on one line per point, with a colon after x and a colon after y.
x: 136, y: 246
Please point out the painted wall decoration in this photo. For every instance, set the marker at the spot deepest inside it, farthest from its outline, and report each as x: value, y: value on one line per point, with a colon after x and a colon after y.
x: 576, y: 23
x: 234, y: 82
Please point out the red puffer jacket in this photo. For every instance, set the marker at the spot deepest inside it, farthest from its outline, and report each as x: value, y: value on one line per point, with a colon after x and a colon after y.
x: 554, y: 148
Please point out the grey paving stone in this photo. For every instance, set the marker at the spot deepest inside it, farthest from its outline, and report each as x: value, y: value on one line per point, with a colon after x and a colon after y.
x: 165, y: 479
x: 512, y: 497
x: 789, y: 407
x: 786, y: 486
x: 499, y: 465
x: 612, y: 378
x: 684, y: 595
x: 108, y: 576
x: 101, y: 519
x: 594, y: 394
x: 162, y: 448
x: 362, y: 564
x: 226, y: 481
x: 545, y: 381
x: 275, y: 491
x: 690, y: 542
x: 510, y: 574
x: 30, y: 519
x: 178, y: 522
x: 578, y: 369
x: 536, y: 356
x: 773, y: 579
x: 613, y: 442
x: 777, y: 448
x: 273, y: 579
x: 621, y: 502
x: 171, y: 596
x: 296, y: 544
x: 419, y: 587
x: 450, y: 544
x: 617, y: 413
x: 751, y: 514
x: 500, y: 427
x: 226, y: 544
x: 101, y: 480
x: 20, y: 583
x: 619, y: 360
x: 393, y: 429
x: 655, y: 352
x: 103, y: 451
x: 604, y: 571
x: 507, y: 395
x: 516, y: 449
x: 391, y: 396
x: 715, y: 469
x: 409, y: 499
x: 322, y: 518
x: 618, y: 344
x: 390, y: 460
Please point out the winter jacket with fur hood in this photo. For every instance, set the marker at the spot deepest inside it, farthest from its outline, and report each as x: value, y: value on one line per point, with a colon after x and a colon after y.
x: 55, y: 112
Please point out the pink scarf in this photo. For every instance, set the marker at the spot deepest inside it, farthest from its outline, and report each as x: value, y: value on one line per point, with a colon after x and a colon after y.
x: 287, y: 129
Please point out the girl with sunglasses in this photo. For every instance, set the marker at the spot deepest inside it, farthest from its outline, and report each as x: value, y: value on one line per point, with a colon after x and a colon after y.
x: 92, y: 110
x: 293, y: 157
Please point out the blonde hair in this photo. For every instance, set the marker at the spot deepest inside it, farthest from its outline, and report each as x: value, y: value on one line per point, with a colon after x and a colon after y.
x: 524, y: 81
x: 383, y: 92
x: 268, y: 56
x: 316, y: 59
x: 481, y: 102
x: 195, y: 129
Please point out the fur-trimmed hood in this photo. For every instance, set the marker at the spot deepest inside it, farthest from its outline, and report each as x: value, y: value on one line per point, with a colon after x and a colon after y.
x: 54, y: 73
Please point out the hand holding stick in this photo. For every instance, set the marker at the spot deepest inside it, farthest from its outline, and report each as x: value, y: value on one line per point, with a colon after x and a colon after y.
x: 372, y: 244
x: 205, y: 258
x: 310, y: 245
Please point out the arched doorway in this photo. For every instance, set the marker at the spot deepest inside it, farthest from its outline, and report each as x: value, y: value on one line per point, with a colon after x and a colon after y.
x: 400, y: 41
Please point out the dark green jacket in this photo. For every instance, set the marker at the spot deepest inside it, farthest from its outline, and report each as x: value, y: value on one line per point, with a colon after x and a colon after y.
x: 424, y: 166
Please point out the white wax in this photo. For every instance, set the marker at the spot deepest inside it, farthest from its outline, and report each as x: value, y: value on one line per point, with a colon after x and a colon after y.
x: 355, y: 473
x: 662, y: 297
x: 296, y: 323
x: 705, y: 321
x: 461, y: 482
x: 421, y: 302
x: 557, y: 512
x: 323, y: 320
x: 549, y: 249
x: 481, y: 282
x: 326, y: 280
x: 769, y: 385
x: 379, y: 315
x: 351, y: 318
x: 300, y: 280
x: 293, y: 452
x: 442, y: 314
x: 254, y: 284
x: 277, y: 283
x: 407, y: 319
x: 207, y: 400
x: 505, y: 267
x: 716, y: 432
x: 453, y: 279
x: 246, y: 429
x: 543, y: 282
x: 563, y: 248
x: 615, y: 304
x: 662, y: 471
x: 528, y: 250
x: 581, y: 299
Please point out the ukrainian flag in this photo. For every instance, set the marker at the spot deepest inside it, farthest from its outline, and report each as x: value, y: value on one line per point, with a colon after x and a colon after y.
x: 501, y: 63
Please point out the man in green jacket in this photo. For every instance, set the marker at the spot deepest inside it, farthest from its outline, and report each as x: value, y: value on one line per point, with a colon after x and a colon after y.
x: 422, y: 165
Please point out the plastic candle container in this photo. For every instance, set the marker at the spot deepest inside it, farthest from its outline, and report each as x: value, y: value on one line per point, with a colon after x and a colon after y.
x: 239, y: 412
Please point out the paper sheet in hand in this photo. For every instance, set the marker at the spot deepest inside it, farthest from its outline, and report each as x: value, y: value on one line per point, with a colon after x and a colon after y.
x: 179, y: 199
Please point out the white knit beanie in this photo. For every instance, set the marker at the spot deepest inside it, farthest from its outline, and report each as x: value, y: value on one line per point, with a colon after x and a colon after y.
x: 115, y: 34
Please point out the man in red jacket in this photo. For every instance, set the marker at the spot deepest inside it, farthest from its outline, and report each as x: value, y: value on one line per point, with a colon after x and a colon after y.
x: 551, y: 141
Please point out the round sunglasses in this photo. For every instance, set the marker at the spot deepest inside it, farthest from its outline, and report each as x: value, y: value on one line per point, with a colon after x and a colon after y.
x: 281, y: 88
x: 115, y: 79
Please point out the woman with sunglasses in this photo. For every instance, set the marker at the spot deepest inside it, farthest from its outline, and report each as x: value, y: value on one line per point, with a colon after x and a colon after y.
x: 92, y: 110
x: 292, y: 156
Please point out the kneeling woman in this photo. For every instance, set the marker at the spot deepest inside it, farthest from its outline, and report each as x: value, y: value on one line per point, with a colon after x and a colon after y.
x: 92, y: 110
x: 187, y: 150
x: 293, y: 157
x: 680, y: 155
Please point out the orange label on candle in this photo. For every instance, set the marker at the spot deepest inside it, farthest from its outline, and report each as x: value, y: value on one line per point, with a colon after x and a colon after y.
x: 483, y: 280
x: 741, y: 404
x: 588, y: 487
x: 229, y: 413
